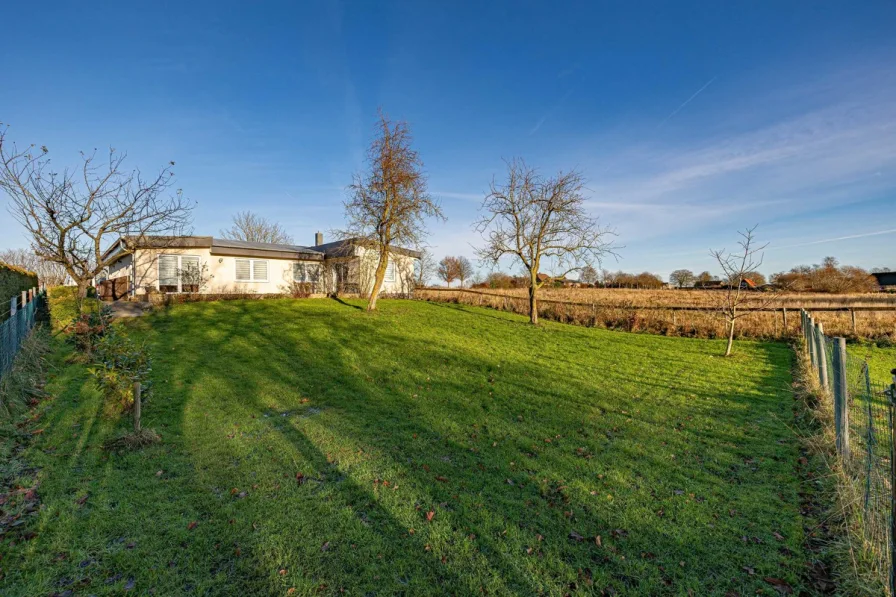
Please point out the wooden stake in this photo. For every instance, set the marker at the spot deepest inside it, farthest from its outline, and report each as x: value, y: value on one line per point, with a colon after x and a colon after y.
x: 137, y: 400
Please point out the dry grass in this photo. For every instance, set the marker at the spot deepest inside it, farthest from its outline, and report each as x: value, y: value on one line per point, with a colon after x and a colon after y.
x: 671, y: 312
x: 133, y: 441
x: 860, y: 566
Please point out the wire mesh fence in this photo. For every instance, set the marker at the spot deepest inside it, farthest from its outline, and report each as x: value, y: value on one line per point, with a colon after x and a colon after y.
x: 863, y: 408
x: 17, y: 327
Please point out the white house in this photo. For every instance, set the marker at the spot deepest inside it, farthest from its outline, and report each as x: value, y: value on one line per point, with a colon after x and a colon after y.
x: 210, y: 265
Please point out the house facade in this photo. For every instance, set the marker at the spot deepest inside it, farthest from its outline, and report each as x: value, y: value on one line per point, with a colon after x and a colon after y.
x: 208, y: 265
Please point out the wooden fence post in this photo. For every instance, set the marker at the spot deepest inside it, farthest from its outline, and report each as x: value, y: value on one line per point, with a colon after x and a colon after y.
x: 24, y: 298
x: 821, y: 356
x: 852, y: 313
x: 784, y: 317
x: 841, y: 397
x: 137, y: 391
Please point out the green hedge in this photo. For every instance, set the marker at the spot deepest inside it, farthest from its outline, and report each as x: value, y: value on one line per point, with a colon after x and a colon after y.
x: 13, y: 280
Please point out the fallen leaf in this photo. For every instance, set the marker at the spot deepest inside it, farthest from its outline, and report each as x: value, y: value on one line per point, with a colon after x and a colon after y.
x: 441, y: 479
x: 597, y: 541
x: 780, y: 585
x: 159, y: 473
x: 429, y: 515
x: 80, y: 501
x: 778, y: 536
x: 192, y: 525
x: 325, y: 546
x: 300, y: 478
x: 575, y: 536
x: 282, y: 572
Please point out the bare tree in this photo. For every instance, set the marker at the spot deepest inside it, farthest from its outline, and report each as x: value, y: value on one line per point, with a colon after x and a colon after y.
x: 539, y: 221
x: 448, y: 270
x: 252, y: 227
x: 388, y: 204
x: 425, y: 268
x: 735, y: 267
x: 49, y: 273
x: 588, y: 275
x: 465, y: 270
x: 682, y: 277
x: 72, y: 216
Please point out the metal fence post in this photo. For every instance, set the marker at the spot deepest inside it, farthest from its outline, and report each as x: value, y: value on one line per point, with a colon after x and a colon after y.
x: 12, y: 307
x: 821, y: 356
x: 891, y: 412
x: 841, y: 397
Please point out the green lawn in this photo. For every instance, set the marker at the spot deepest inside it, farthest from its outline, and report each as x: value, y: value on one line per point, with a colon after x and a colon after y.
x: 438, y: 448
x: 881, y: 360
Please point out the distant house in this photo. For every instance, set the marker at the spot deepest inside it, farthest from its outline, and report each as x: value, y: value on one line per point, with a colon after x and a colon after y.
x: 708, y: 284
x: 886, y: 280
x: 210, y: 265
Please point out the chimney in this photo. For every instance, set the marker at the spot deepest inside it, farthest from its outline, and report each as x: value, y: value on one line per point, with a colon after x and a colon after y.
x: 318, y: 239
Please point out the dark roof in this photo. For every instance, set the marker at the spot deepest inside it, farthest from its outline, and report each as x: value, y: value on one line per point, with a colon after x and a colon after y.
x: 343, y: 248
x: 245, y: 244
x: 222, y: 246
x: 885, y: 278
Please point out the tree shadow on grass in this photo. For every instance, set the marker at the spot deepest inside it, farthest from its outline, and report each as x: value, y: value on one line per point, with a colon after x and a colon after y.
x: 439, y: 415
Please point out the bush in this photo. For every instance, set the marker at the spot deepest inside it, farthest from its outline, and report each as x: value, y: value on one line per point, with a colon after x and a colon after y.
x: 118, y: 363
x: 298, y: 289
x: 64, y: 306
x: 86, y: 331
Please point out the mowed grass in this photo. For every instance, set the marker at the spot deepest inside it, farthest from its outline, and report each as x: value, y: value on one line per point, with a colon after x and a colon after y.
x: 881, y: 361
x: 439, y: 449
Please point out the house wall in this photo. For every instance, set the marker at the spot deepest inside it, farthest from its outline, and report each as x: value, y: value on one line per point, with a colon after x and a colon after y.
x: 221, y: 271
x: 404, y: 272
x: 143, y: 266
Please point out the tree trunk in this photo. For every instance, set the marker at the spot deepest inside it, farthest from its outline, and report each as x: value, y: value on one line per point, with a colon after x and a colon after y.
x: 730, y: 338
x: 378, y: 280
x: 82, y: 288
x: 533, y: 305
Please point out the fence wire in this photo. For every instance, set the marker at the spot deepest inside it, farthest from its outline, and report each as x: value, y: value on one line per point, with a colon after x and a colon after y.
x: 864, y: 428
x: 14, y: 330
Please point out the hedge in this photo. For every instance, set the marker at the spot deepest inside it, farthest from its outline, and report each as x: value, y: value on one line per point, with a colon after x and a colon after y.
x: 63, y: 305
x: 13, y: 280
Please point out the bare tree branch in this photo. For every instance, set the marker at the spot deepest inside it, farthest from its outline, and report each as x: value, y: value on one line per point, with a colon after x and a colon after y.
x: 540, y: 220
x: 72, y: 219
x: 730, y: 303
x: 254, y: 228
x: 388, y: 204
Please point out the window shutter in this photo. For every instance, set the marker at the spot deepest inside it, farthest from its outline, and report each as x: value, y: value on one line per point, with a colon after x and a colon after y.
x: 167, y: 270
x: 190, y: 264
x: 242, y: 270
x: 259, y: 270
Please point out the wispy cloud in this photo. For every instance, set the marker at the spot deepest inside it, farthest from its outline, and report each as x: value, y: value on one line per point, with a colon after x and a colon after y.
x: 833, y: 240
x: 686, y: 102
x: 464, y: 196
x: 550, y: 112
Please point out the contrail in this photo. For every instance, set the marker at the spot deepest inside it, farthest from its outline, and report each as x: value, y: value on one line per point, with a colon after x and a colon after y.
x: 686, y: 102
x: 831, y: 240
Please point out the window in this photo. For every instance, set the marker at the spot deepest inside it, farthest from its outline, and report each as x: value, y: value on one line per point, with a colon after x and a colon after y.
x: 306, y: 272
x: 251, y: 270
x: 390, y: 272
x: 179, y: 273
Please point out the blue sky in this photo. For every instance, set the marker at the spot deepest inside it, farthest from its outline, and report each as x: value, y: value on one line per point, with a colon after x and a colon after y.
x: 690, y: 121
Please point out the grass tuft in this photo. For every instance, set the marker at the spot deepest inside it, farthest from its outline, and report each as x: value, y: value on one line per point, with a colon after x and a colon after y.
x: 134, y: 440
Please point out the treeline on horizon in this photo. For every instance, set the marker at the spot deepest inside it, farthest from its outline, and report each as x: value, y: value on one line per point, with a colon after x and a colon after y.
x: 827, y: 277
